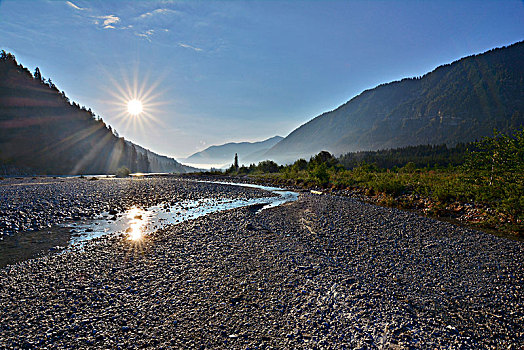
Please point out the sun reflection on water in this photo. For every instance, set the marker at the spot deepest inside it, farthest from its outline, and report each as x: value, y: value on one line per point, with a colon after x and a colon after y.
x: 137, y: 221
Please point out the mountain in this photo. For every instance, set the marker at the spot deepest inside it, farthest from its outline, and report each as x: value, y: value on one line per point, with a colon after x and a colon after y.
x: 457, y: 102
x: 42, y: 132
x: 162, y: 164
x: 248, y: 152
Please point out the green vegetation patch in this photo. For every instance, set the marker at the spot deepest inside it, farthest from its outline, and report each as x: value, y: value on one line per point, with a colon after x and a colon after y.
x: 480, y: 183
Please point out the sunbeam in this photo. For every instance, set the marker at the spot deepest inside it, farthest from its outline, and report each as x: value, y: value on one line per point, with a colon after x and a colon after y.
x: 135, y: 102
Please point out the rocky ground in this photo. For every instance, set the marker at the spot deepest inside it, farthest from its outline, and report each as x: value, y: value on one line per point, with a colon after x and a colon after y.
x: 29, y: 204
x: 322, y: 272
x: 470, y: 214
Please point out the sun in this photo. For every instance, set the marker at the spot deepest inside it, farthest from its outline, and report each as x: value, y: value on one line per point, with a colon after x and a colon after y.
x: 135, y: 101
x: 134, y: 107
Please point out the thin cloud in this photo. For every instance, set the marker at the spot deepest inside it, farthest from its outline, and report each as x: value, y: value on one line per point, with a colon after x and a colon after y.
x: 158, y: 12
x: 69, y: 3
x: 147, y: 34
x: 109, y: 20
x: 106, y: 22
x: 190, y: 47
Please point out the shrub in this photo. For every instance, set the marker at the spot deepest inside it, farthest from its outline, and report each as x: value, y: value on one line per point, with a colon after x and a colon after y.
x: 320, y: 174
x: 123, y: 172
x: 388, y: 185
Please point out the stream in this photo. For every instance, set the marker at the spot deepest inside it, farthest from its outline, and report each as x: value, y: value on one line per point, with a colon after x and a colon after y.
x: 136, y: 223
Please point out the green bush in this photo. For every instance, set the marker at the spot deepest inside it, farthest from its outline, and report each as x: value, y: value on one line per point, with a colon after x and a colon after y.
x: 321, y: 174
x: 491, y: 176
x: 123, y: 172
x: 443, y: 194
x: 389, y: 185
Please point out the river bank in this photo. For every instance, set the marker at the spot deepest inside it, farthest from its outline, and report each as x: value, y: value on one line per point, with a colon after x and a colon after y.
x: 321, y: 272
x: 467, y: 214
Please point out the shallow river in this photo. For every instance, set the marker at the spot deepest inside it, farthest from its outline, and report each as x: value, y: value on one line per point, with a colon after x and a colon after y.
x: 136, y: 223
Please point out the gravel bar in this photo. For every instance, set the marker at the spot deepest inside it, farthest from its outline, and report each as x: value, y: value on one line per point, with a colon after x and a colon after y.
x: 323, y: 272
x: 32, y: 204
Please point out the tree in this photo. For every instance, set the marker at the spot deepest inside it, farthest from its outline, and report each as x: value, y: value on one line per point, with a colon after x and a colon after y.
x: 323, y: 157
x: 122, y: 172
x: 300, y: 164
x: 494, y: 167
x: 409, y: 168
x: 235, y: 164
x: 321, y: 174
x: 497, y: 156
x: 38, y: 75
x: 143, y: 164
x: 268, y: 166
x: 64, y: 96
x: 133, y: 159
x: 8, y: 56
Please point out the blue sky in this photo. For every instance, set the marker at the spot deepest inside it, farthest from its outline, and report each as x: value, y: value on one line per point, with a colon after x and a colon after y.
x: 216, y: 72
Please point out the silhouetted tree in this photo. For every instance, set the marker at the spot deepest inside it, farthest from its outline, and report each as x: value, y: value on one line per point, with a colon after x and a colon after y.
x: 235, y: 164
x: 143, y: 165
x: 300, y: 164
x: 64, y: 96
x: 323, y: 157
x: 8, y: 56
x: 133, y: 159
x: 268, y: 166
x: 38, y: 75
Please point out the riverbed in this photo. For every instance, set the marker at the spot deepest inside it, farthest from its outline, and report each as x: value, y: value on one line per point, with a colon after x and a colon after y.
x: 96, y: 209
x: 319, y: 272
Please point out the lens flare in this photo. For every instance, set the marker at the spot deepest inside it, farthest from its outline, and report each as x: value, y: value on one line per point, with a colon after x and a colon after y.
x: 134, y: 107
x: 135, y: 103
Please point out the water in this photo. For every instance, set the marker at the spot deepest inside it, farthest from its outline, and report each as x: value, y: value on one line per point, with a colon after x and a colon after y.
x: 136, y: 223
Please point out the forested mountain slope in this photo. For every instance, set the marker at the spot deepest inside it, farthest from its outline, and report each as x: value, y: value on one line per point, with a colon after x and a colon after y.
x: 42, y: 132
x: 457, y: 102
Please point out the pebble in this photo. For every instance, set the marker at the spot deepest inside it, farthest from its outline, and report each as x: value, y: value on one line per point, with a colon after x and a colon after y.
x: 322, y: 272
x: 32, y: 204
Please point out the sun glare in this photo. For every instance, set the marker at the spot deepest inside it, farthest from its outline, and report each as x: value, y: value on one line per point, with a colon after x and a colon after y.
x: 136, y: 102
x: 134, y: 107
x: 137, y: 222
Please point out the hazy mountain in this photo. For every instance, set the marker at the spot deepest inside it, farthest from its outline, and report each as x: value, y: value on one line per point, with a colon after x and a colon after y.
x: 457, y: 102
x: 42, y: 132
x: 248, y: 152
x: 162, y: 164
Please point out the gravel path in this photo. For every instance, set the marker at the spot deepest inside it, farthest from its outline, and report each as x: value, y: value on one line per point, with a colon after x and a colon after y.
x: 322, y: 272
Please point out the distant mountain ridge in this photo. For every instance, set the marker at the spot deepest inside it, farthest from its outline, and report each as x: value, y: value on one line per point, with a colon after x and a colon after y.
x: 248, y: 152
x: 162, y: 164
x: 42, y: 132
x: 456, y: 102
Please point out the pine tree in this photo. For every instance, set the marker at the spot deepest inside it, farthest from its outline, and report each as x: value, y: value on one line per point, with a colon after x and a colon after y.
x: 133, y: 159
x: 38, y: 75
